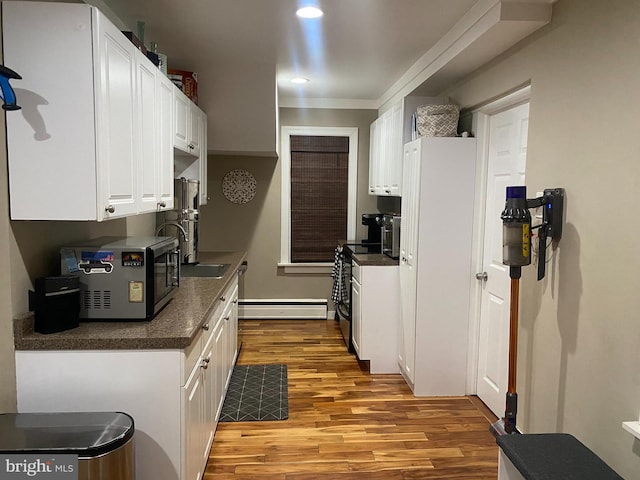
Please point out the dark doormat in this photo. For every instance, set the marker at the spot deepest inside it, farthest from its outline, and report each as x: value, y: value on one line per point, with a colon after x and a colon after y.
x: 256, y: 392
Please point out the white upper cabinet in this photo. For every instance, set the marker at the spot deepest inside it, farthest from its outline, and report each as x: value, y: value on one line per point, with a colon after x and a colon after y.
x: 115, y: 121
x: 385, y: 177
x: 182, y: 119
x: 195, y: 120
x: 188, y: 128
x: 389, y: 132
x: 202, y: 156
x: 375, y: 177
x: 147, y: 127
x: 87, y: 143
x: 165, y: 143
x: 190, y: 142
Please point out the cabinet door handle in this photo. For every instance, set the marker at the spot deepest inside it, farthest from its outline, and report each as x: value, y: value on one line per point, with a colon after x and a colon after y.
x: 387, y: 192
x: 235, y: 300
x: 162, y: 204
x: 222, y: 299
x: 110, y: 209
x: 227, y: 318
x: 204, y: 364
x: 205, y: 326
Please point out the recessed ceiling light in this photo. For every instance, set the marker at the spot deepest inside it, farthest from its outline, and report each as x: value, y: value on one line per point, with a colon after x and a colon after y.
x: 299, y: 80
x: 309, y: 12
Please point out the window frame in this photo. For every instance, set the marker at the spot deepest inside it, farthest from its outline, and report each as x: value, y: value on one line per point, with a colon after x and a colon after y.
x: 285, y: 209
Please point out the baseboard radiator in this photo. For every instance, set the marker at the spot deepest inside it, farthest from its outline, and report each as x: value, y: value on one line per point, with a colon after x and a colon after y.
x: 283, y: 309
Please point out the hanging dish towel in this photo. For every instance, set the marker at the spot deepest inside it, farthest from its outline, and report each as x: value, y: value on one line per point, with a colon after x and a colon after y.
x: 339, y: 291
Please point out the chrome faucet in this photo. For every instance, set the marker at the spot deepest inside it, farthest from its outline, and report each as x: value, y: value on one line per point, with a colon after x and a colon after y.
x: 177, y: 225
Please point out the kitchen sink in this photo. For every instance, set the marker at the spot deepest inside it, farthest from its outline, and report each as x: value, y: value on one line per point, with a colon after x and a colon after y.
x: 212, y: 270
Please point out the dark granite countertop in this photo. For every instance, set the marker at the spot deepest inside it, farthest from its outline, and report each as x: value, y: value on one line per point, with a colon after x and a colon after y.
x: 175, y: 326
x: 374, y: 259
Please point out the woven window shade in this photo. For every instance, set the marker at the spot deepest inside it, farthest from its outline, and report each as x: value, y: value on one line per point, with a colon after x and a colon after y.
x: 319, y: 195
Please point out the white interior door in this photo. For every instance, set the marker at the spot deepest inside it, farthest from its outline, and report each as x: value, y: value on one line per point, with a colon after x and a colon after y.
x: 507, y: 153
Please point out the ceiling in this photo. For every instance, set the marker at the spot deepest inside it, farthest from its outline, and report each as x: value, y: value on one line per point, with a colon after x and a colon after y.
x: 356, y: 52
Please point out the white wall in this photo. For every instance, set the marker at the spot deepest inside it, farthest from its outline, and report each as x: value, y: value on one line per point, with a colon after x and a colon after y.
x: 7, y: 373
x: 579, y: 348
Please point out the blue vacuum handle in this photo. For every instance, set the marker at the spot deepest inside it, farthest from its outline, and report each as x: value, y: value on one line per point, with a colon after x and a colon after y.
x: 8, y: 95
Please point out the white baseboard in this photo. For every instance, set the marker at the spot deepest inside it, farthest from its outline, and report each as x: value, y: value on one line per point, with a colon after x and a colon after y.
x: 283, y: 309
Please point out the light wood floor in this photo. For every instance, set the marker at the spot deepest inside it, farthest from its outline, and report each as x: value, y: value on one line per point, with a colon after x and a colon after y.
x: 346, y: 424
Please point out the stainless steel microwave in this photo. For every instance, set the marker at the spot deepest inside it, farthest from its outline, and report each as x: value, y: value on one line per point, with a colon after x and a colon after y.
x: 123, y: 278
x: 391, y: 235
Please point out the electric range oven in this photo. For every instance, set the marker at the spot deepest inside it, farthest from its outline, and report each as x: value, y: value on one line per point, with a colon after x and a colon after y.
x: 343, y: 309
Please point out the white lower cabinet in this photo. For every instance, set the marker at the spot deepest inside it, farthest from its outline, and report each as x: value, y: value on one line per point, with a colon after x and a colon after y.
x: 174, y: 395
x: 195, y: 424
x: 218, y: 385
x: 375, y: 297
x: 230, y: 317
x: 356, y: 315
x: 198, y: 397
x: 210, y: 417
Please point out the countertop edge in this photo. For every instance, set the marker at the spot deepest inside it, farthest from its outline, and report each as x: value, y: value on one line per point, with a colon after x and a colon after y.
x: 375, y: 259
x: 103, y: 335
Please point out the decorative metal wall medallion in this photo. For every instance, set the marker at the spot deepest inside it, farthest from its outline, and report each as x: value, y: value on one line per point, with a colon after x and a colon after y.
x: 239, y: 186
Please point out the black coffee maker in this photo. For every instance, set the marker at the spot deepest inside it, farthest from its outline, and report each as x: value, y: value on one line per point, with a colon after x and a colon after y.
x: 374, y: 232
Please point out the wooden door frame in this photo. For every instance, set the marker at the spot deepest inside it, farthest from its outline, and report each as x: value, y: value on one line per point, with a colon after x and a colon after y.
x: 481, y: 116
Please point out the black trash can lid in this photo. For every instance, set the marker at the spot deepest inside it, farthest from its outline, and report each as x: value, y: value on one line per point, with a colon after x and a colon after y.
x: 542, y: 456
x: 87, y: 434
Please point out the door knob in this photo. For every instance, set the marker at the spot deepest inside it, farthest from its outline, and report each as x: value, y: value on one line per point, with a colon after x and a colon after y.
x: 482, y: 276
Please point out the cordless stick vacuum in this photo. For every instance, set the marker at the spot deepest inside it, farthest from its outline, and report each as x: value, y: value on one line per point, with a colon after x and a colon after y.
x: 516, y: 252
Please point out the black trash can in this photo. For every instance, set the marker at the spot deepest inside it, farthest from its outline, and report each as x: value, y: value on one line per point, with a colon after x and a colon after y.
x: 102, y: 442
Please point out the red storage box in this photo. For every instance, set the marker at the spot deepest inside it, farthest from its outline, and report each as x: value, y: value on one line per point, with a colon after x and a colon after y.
x: 185, y: 81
